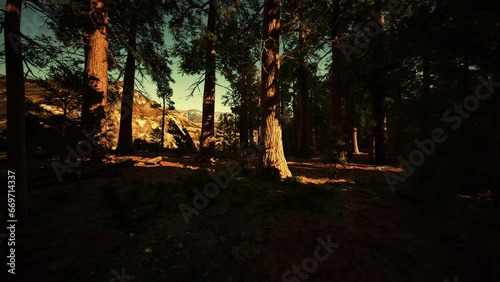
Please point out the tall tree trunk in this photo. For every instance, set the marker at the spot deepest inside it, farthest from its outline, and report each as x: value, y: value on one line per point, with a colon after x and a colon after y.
x: 207, y: 138
x: 94, y: 101
x: 355, y: 141
x: 380, y: 128
x: 250, y: 126
x: 350, y: 122
x: 296, y: 121
x: 304, y: 114
x: 398, y: 128
x: 495, y: 184
x: 336, y: 86
x: 16, y: 142
x: 244, y: 115
x: 85, y: 103
x: 272, y: 162
x: 335, y: 73
x: 162, y: 138
x: 125, y: 135
x: 378, y: 101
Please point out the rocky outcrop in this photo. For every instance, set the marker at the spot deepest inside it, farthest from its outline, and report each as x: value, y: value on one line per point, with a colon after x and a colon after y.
x: 146, y: 119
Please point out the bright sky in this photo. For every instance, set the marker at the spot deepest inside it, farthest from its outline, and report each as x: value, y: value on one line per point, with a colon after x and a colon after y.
x: 32, y: 24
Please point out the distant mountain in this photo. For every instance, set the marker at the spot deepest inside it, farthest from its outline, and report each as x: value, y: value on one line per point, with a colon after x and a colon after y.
x: 196, y: 115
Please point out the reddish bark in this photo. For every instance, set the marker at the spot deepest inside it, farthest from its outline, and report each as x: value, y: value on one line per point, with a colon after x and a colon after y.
x: 207, y: 137
x: 272, y: 163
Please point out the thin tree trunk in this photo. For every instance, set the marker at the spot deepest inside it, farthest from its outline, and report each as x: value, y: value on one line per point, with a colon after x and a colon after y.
x: 350, y: 125
x: 94, y: 105
x: 85, y: 102
x: 244, y: 115
x: 378, y: 101
x: 162, y: 139
x: 304, y: 141
x: 250, y: 126
x: 272, y: 163
x: 16, y: 142
x: 398, y: 128
x: 336, y: 87
x: 125, y: 145
x: 207, y: 138
x: 355, y: 140
x: 336, y: 75
x: 296, y: 121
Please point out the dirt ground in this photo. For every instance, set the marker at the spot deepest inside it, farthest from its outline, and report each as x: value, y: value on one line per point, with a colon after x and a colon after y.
x: 382, y: 236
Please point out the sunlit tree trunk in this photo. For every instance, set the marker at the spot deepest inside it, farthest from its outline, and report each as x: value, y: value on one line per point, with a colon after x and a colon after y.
x: 272, y: 163
x: 355, y: 140
x: 350, y: 127
x: 250, y: 126
x: 207, y: 138
x: 125, y: 135
x: 16, y: 142
x: 162, y: 139
x: 96, y: 84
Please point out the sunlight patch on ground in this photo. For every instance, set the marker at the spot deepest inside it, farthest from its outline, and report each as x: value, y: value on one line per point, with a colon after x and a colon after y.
x: 151, y: 162
x: 321, y: 180
x: 486, y: 196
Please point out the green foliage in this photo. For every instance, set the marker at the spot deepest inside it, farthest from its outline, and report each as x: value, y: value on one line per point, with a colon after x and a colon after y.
x: 226, y: 134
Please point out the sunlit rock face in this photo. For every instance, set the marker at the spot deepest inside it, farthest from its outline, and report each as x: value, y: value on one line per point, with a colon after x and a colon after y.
x: 146, y: 118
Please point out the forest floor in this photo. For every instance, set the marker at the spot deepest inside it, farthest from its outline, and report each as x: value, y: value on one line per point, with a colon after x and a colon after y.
x: 121, y: 222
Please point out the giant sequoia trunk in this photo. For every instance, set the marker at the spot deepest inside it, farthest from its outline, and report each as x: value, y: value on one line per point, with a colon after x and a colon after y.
x: 207, y: 138
x: 272, y: 163
x: 305, y: 133
x: 125, y: 136
x: 16, y: 143
x: 96, y: 84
